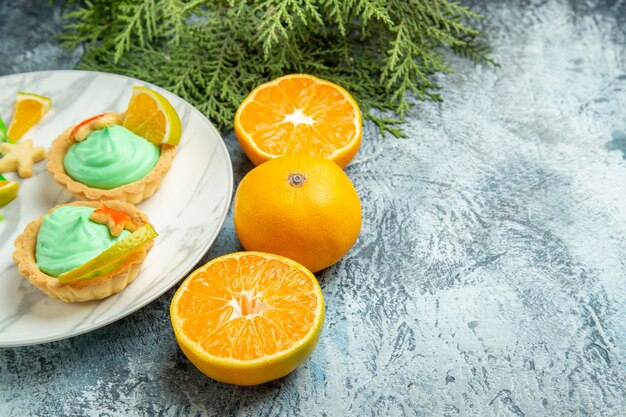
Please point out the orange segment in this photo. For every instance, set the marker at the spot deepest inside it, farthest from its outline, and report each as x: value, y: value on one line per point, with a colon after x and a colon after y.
x: 151, y: 116
x: 297, y: 114
x: 29, y: 110
x: 248, y: 317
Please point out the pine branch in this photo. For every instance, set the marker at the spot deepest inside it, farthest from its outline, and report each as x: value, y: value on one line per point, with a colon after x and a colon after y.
x: 213, y: 52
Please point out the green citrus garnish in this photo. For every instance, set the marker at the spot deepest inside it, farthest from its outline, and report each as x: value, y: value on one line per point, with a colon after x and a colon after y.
x: 3, y: 131
x: 112, y: 256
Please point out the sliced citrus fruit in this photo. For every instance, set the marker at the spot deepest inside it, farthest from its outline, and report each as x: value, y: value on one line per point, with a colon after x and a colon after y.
x: 8, y: 191
x: 29, y: 109
x: 112, y: 256
x: 299, y: 114
x: 248, y: 317
x: 151, y: 116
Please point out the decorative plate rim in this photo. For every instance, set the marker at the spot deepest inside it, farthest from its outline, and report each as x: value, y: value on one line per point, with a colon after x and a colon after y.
x: 134, y: 306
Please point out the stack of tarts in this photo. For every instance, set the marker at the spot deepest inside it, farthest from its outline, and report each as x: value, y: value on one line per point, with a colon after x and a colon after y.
x: 93, y: 248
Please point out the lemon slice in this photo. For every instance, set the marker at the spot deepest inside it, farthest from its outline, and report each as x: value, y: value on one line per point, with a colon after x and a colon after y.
x: 29, y: 109
x: 112, y: 256
x: 152, y: 117
x: 8, y: 191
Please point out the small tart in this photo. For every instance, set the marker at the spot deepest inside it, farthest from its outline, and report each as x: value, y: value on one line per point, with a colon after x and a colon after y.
x: 95, y: 288
x: 134, y: 192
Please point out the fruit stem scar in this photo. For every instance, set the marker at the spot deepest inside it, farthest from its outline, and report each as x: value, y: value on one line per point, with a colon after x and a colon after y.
x: 296, y: 180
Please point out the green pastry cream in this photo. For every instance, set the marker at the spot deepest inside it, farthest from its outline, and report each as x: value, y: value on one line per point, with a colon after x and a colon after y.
x: 68, y: 239
x: 110, y: 158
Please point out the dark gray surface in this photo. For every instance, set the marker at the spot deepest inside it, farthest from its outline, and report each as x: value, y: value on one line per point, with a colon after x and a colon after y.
x: 489, y: 275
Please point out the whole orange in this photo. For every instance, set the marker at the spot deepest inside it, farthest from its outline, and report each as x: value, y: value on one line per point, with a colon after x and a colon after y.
x: 299, y: 206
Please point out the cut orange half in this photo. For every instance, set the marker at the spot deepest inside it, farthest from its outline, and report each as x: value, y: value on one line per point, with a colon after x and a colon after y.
x: 299, y: 114
x: 29, y: 109
x: 152, y: 117
x: 248, y: 317
x: 110, y: 257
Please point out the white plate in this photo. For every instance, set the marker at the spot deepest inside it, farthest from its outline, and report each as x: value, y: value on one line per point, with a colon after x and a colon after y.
x: 188, y: 211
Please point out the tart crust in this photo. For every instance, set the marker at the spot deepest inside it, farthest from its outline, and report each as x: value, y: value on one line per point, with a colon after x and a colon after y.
x: 133, y: 193
x: 95, y: 288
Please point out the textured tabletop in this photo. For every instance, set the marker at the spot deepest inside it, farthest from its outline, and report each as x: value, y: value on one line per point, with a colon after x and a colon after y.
x: 490, y: 274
